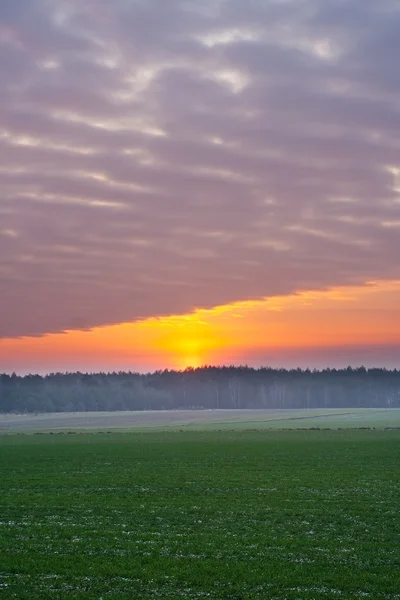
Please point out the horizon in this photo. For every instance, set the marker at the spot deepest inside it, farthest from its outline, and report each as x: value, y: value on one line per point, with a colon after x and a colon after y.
x: 199, y: 183
x: 218, y: 367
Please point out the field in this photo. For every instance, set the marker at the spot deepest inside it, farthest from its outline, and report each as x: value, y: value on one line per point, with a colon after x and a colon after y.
x: 220, y: 515
x: 201, y: 420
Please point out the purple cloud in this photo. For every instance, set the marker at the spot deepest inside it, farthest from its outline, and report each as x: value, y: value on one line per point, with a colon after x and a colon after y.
x: 158, y: 158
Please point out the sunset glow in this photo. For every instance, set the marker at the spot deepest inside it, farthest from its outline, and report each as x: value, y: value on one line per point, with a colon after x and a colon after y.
x: 198, y: 182
x: 366, y: 316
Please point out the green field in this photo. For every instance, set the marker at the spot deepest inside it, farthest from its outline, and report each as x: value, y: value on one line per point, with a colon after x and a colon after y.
x: 219, y: 515
x: 201, y: 420
x: 305, y: 419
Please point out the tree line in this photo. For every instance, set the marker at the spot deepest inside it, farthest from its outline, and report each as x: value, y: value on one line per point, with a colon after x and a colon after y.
x: 201, y: 388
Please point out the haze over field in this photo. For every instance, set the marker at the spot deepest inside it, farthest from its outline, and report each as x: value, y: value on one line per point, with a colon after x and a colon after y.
x: 199, y: 182
x: 201, y: 420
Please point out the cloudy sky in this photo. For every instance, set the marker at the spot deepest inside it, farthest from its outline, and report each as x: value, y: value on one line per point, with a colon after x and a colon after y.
x: 190, y: 181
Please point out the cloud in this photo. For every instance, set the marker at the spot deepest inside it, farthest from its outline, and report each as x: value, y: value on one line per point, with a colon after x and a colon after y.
x: 156, y: 158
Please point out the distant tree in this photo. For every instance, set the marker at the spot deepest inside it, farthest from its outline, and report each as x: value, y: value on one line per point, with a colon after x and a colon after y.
x: 207, y: 387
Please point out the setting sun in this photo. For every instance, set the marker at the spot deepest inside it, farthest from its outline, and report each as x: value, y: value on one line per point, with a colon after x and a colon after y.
x: 188, y: 340
x: 245, y: 331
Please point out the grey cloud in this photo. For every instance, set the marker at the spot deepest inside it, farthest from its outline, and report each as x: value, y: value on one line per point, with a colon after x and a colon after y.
x: 144, y: 172
x: 18, y: 11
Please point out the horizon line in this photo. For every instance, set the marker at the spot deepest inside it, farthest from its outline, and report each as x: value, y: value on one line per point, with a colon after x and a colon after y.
x: 190, y: 369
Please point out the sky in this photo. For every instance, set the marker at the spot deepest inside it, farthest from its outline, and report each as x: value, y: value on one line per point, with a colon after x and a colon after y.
x: 191, y: 182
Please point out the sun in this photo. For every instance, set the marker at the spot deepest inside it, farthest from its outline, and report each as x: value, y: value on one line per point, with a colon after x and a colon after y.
x: 189, y: 353
x: 186, y: 340
x: 187, y: 362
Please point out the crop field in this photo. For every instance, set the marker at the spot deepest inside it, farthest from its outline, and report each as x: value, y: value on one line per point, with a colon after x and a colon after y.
x: 201, y: 420
x: 218, y: 515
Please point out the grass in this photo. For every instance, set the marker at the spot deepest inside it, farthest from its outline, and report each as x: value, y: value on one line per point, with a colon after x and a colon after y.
x: 217, y: 515
x: 201, y: 420
x: 332, y: 419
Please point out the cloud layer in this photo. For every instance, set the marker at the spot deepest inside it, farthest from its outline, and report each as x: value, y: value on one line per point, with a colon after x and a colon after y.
x: 159, y: 156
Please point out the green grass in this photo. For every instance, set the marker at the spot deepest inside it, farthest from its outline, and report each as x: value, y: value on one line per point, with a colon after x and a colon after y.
x: 218, y: 515
x: 333, y: 419
x: 200, y: 420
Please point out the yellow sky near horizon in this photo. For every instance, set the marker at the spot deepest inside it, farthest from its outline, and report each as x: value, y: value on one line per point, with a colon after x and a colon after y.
x: 339, y: 317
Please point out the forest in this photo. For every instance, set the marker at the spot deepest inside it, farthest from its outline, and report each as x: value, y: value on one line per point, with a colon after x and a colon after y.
x: 206, y: 387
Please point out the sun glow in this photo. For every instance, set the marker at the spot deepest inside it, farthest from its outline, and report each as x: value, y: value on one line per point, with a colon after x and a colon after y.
x: 335, y: 318
x: 189, y: 340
